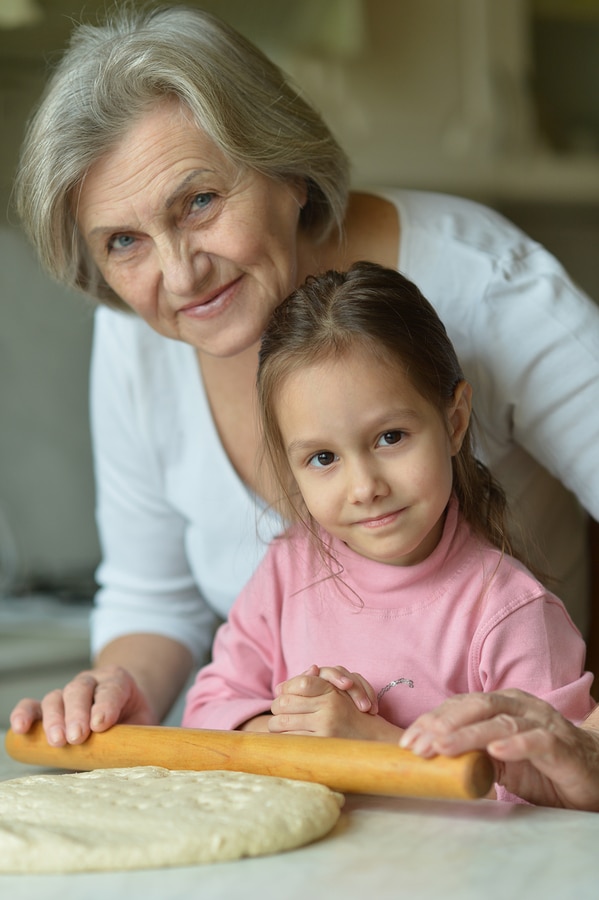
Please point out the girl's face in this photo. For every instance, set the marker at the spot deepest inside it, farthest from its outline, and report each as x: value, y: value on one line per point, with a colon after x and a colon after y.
x: 371, y: 456
x: 199, y: 248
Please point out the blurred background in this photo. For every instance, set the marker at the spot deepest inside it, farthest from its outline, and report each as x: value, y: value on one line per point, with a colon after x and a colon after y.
x: 497, y: 100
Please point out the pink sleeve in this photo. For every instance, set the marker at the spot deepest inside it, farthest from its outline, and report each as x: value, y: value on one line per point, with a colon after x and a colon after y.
x: 238, y: 684
x: 537, y: 648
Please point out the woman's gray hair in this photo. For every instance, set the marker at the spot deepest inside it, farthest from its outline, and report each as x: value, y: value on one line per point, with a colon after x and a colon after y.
x: 113, y: 73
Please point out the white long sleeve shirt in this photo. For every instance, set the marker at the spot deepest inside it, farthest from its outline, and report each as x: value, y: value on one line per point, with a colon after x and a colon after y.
x: 181, y: 534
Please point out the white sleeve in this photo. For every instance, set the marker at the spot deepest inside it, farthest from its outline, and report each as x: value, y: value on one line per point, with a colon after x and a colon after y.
x: 538, y: 339
x: 145, y: 581
x: 527, y: 337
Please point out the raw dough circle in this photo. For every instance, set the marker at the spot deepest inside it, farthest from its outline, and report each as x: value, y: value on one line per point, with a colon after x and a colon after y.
x: 149, y: 817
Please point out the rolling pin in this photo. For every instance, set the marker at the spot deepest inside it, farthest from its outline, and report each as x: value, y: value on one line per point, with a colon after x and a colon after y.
x: 348, y: 766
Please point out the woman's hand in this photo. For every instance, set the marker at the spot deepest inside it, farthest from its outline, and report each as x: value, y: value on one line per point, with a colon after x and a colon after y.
x: 93, y: 701
x: 539, y: 755
x: 135, y: 681
x: 329, y: 702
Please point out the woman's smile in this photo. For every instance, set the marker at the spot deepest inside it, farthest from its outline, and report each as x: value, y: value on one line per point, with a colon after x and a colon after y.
x: 212, y: 303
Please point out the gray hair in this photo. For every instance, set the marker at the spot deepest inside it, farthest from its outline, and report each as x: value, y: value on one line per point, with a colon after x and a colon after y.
x: 114, y: 73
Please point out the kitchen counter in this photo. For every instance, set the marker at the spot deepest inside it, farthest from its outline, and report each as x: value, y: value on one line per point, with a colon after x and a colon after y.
x: 382, y: 847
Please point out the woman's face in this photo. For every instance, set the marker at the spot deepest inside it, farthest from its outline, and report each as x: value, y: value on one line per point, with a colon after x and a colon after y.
x: 203, y: 251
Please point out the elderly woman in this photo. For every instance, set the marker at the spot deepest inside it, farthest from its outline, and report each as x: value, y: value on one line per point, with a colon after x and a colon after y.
x: 173, y: 173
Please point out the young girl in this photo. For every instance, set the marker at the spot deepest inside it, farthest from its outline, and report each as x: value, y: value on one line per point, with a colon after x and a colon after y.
x: 394, y: 588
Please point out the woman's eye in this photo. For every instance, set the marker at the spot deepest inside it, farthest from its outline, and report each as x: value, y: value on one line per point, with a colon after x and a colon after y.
x: 121, y: 242
x: 322, y: 459
x: 201, y: 201
x: 389, y: 438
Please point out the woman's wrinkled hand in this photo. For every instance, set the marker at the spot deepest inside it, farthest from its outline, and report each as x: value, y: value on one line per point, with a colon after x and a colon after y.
x: 539, y: 755
x: 93, y: 701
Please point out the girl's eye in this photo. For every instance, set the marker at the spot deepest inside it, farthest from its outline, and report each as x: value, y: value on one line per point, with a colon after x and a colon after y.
x: 322, y: 460
x: 121, y: 242
x: 389, y: 438
x: 201, y: 201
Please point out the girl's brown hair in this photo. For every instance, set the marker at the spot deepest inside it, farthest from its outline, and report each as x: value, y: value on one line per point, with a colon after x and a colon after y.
x: 382, y: 311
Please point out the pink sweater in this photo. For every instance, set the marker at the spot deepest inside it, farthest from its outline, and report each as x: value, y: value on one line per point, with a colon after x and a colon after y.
x: 466, y: 619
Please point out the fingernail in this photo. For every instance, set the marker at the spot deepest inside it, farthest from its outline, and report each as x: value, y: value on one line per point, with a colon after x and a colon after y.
x: 407, y: 739
x: 56, y: 735
x: 97, y: 720
x: 421, y: 746
x: 74, y: 733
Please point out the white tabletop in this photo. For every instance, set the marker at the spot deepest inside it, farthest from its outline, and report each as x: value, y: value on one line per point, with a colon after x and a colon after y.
x: 381, y: 848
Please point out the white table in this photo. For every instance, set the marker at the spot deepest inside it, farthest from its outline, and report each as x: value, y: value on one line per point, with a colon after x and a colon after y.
x: 381, y: 849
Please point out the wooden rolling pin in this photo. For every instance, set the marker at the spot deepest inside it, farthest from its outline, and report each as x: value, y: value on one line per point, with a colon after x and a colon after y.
x: 348, y: 766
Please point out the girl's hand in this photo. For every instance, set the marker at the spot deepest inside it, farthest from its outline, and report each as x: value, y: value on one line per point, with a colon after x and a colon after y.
x: 539, y: 755
x: 361, y: 691
x: 93, y: 701
x: 318, y: 703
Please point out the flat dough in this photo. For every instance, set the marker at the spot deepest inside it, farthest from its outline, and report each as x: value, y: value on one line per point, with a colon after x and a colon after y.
x: 149, y: 817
